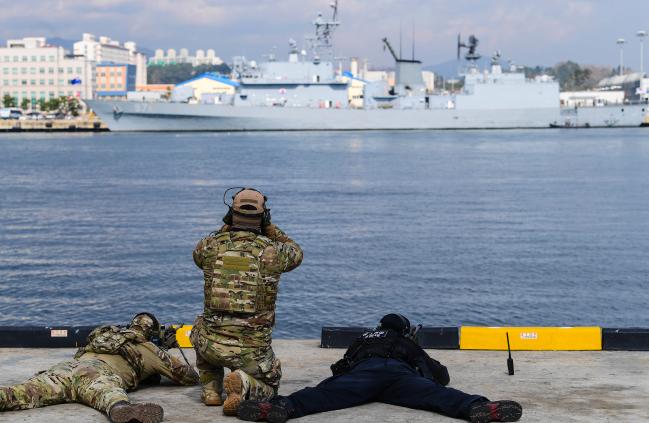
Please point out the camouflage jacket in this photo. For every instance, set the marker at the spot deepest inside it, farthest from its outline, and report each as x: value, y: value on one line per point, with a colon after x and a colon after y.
x: 133, y: 357
x: 225, y: 304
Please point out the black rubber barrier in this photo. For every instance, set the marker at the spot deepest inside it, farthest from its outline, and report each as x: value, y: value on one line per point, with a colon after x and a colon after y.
x: 626, y: 339
x: 440, y: 338
x: 43, y: 337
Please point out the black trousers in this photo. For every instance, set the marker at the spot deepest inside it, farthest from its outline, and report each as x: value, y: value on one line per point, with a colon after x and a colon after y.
x: 384, y: 380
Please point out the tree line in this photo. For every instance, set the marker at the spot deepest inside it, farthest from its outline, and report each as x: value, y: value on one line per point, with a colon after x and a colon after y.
x: 179, y: 72
x: 572, y: 76
x: 63, y: 104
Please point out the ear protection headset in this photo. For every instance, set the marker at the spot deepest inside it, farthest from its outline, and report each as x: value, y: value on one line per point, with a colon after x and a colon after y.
x: 227, y: 219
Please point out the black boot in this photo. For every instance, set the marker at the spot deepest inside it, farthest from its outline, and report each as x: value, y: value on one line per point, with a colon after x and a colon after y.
x: 495, y: 411
x: 277, y: 410
x: 123, y: 412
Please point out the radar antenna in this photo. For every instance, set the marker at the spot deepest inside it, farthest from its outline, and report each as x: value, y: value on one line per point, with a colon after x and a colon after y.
x: 495, y: 59
x: 471, y: 45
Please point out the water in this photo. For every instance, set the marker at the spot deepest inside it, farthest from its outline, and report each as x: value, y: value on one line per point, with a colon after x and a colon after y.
x: 452, y: 227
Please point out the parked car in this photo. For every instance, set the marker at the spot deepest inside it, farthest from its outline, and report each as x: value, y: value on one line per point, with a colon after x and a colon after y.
x: 34, y: 115
x: 11, y: 113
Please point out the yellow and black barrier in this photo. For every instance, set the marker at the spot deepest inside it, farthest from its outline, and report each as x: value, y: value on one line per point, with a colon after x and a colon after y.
x: 465, y: 337
x: 531, y: 338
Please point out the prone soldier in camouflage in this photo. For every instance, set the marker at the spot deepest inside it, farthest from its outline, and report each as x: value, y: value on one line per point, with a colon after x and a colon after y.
x: 114, y: 360
x: 242, y: 264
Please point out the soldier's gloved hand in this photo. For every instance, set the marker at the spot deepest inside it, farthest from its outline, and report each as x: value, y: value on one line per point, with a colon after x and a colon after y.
x: 271, y: 231
x: 169, y: 339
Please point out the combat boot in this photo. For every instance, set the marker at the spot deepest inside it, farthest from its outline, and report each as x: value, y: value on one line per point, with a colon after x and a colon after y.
x: 235, y: 386
x: 210, y: 395
x: 241, y: 386
x: 277, y: 410
x: 495, y: 411
x: 124, y: 412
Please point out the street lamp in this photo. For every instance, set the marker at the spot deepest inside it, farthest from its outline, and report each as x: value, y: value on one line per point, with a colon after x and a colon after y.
x: 620, y: 42
x: 641, y: 35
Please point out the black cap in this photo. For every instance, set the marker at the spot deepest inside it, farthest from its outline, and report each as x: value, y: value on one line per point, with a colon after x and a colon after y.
x: 397, y: 322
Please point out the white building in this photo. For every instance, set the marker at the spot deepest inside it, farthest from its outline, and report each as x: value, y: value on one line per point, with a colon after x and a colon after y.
x: 183, y: 56
x: 32, y: 69
x: 590, y: 98
x: 106, y: 50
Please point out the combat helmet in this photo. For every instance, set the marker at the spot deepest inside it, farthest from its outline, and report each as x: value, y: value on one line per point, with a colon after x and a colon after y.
x: 147, y: 324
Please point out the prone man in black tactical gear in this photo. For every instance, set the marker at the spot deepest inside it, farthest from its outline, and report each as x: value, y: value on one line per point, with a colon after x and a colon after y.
x: 384, y: 365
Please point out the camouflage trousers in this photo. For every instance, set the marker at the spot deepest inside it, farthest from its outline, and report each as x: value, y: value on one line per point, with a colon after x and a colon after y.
x: 90, y: 382
x: 213, y: 353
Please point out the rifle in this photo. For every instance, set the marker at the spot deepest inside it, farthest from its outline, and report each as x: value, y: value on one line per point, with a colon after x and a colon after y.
x: 414, y: 331
x: 168, y: 339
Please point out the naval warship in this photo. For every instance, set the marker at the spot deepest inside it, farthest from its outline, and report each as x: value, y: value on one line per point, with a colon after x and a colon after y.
x: 305, y: 92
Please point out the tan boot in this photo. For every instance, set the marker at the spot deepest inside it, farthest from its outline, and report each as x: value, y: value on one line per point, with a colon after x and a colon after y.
x: 235, y: 387
x: 240, y: 386
x: 211, y: 397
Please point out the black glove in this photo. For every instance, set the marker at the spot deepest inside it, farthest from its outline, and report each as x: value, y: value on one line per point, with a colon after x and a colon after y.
x: 154, y: 379
x: 169, y: 338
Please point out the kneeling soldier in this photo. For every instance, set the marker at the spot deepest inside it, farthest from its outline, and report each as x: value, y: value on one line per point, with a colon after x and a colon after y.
x: 241, y: 264
x: 384, y: 365
x: 114, y: 361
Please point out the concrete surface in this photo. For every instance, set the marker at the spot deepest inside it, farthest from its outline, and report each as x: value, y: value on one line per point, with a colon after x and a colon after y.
x: 598, y: 386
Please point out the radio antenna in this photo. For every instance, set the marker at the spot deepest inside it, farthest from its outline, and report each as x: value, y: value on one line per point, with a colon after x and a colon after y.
x: 510, y: 362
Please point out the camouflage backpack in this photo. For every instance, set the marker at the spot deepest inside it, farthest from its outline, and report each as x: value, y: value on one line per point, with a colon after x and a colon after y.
x: 115, y: 341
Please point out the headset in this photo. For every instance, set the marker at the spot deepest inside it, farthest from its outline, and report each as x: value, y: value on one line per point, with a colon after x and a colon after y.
x: 388, y: 322
x: 227, y: 219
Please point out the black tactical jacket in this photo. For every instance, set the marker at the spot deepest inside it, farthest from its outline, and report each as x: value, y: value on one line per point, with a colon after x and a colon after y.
x: 390, y: 344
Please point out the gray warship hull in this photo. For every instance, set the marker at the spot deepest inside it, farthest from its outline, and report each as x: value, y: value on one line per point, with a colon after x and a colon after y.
x: 143, y: 116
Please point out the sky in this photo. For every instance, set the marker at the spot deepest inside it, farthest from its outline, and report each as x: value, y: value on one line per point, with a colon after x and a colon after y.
x: 529, y: 32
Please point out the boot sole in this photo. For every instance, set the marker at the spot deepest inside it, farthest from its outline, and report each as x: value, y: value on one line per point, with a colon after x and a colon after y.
x: 233, y: 386
x: 276, y: 415
x: 143, y: 413
x: 249, y: 411
x: 509, y: 412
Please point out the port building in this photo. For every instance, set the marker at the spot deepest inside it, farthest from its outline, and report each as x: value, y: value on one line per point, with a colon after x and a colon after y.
x: 114, y: 80
x: 104, y: 50
x: 32, y: 69
x: 171, y: 57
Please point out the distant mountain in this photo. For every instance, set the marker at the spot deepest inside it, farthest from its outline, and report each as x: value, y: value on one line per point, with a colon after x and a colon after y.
x: 147, y: 51
x: 62, y: 42
x: 69, y: 45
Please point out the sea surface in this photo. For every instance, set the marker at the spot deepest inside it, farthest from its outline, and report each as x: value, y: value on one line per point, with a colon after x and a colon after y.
x: 541, y: 227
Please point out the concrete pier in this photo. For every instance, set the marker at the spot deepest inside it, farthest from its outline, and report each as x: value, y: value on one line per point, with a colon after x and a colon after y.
x: 57, y: 125
x: 594, y: 386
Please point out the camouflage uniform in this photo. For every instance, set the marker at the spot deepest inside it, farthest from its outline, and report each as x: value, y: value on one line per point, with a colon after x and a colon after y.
x: 241, y: 271
x: 100, y: 373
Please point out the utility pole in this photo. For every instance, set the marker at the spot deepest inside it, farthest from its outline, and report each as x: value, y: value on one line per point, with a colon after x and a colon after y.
x: 641, y: 35
x: 620, y: 42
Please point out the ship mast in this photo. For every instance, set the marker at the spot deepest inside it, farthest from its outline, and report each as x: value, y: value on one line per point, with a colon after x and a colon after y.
x: 321, y: 44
